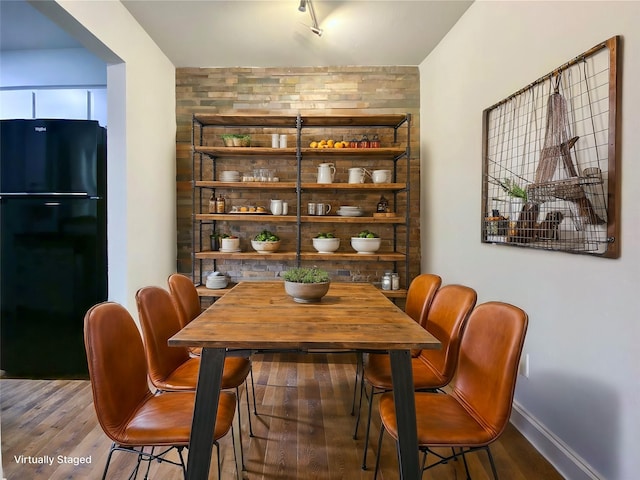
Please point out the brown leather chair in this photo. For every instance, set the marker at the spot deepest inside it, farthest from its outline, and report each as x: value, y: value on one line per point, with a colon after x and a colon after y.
x: 185, y: 297
x: 128, y: 412
x: 172, y: 368
x: 187, y: 301
x: 419, y: 297
x: 432, y: 369
x: 477, y: 411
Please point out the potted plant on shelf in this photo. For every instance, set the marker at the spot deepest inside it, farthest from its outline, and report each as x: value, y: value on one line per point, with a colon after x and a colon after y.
x: 215, y: 238
x: 518, y: 197
x: 229, y: 243
x: 266, y: 242
x: 306, y: 285
x: 326, y: 242
x: 366, y: 242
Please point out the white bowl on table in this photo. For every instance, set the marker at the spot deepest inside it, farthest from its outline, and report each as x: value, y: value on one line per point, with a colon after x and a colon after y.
x: 366, y: 245
x: 326, y: 245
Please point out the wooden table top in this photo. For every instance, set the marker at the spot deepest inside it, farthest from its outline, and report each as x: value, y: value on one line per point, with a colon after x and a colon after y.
x: 260, y: 315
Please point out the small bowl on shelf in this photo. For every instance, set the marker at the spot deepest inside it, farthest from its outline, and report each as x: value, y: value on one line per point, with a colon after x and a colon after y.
x: 366, y: 245
x: 326, y: 245
x: 265, y: 246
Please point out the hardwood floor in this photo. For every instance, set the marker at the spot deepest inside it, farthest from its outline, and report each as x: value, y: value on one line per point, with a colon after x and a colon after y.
x: 303, y: 431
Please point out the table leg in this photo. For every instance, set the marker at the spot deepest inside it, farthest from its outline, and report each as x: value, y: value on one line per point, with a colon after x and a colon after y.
x: 205, y: 413
x: 402, y: 377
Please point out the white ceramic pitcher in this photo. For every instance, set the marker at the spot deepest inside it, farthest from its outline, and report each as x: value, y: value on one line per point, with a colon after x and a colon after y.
x: 326, y: 172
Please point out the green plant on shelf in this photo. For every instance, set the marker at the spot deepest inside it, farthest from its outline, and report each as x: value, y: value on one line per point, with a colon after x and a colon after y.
x: 513, y: 189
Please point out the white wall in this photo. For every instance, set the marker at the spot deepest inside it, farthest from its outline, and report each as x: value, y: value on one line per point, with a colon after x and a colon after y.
x: 141, y: 143
x: 53, y: 67
x: 580, y: 402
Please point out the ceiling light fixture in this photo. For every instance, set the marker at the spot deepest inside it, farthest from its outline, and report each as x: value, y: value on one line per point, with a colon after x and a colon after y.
x: 315, y: 28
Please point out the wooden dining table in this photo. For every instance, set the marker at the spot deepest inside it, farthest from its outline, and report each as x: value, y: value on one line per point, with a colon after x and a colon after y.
x: 261, y: 316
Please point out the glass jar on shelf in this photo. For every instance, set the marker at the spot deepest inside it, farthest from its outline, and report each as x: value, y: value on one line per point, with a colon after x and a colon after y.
x: 386, y: 281
x: 395, y: 281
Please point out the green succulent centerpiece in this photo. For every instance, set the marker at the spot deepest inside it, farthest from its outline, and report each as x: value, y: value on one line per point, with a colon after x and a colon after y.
x: 306, y: 285
x: 306, y: 275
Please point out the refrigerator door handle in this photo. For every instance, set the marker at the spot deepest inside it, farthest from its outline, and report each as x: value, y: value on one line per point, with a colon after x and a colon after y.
x: 44, y: 194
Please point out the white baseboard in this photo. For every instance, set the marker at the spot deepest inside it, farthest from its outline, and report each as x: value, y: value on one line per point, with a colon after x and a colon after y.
x: 570, y: 465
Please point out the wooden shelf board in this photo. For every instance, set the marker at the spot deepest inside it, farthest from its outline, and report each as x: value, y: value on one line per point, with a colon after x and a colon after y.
x: 343, y: 256
x: 245, y: 151
x: 286, y: 121
x: 395, y: 293
x: 385, y: 120
x: 246, y: 217
x: 351, y: 152
x: 246, y: 255
x: 207, y: 292
x: 341, y: 219
x: 253, y: 185
x: 354, y: 256
x: 220, y: 151
x: 353, y: 186
x: 289, y: 121
x: 203, y: 291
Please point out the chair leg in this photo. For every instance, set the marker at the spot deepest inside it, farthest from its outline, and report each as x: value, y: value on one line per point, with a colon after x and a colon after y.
x: 134, y: 474
x: 182, y: 464
x: 362, y: 390
x: 359, y: 362
x: 246, y: 391
x: 239, y: 422
x: 238, y: 453
x: 106, y: 467
x: 423, y: 467
x: 464, y: 460
x: 375, y: 473
x: 146, y: 474
x: 253, y: 390
x: 217, y: 445
x: 493, y: 465
x: 366, y: 435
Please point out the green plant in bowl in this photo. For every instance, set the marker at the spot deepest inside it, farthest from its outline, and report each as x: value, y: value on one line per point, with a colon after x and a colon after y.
x: 306, y: 285
x: 266, y: 236
x: 367, y: 234
x: 306, y: 275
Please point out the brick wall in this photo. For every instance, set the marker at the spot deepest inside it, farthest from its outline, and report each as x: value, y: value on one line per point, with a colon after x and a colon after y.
x: 312, y: 90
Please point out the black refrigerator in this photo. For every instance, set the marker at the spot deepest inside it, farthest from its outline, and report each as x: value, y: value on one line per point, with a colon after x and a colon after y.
x: 53, y: 250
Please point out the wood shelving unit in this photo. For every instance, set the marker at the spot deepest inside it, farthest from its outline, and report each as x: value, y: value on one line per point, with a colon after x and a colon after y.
x: 298, y: 156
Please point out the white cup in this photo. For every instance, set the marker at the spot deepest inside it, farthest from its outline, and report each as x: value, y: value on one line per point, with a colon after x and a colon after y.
x: 275, y: 140
x: 285, y: 208
x: 323, y: 208
x: 283, y: 141
x: 381, y: 176
x: 356, y: 175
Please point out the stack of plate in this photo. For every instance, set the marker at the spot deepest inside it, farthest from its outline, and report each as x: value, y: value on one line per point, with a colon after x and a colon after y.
x: 216, y: 281
x: 230, y: 176
x: 349, y: 211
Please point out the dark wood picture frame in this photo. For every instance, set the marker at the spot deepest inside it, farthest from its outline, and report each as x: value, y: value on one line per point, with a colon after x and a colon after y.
x: 560, y: 196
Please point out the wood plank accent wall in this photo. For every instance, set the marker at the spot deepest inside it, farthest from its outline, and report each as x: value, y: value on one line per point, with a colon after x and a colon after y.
x: 309, y: 90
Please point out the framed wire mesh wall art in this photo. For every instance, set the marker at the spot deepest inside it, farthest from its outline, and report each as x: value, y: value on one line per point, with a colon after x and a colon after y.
x: 549, y: 150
